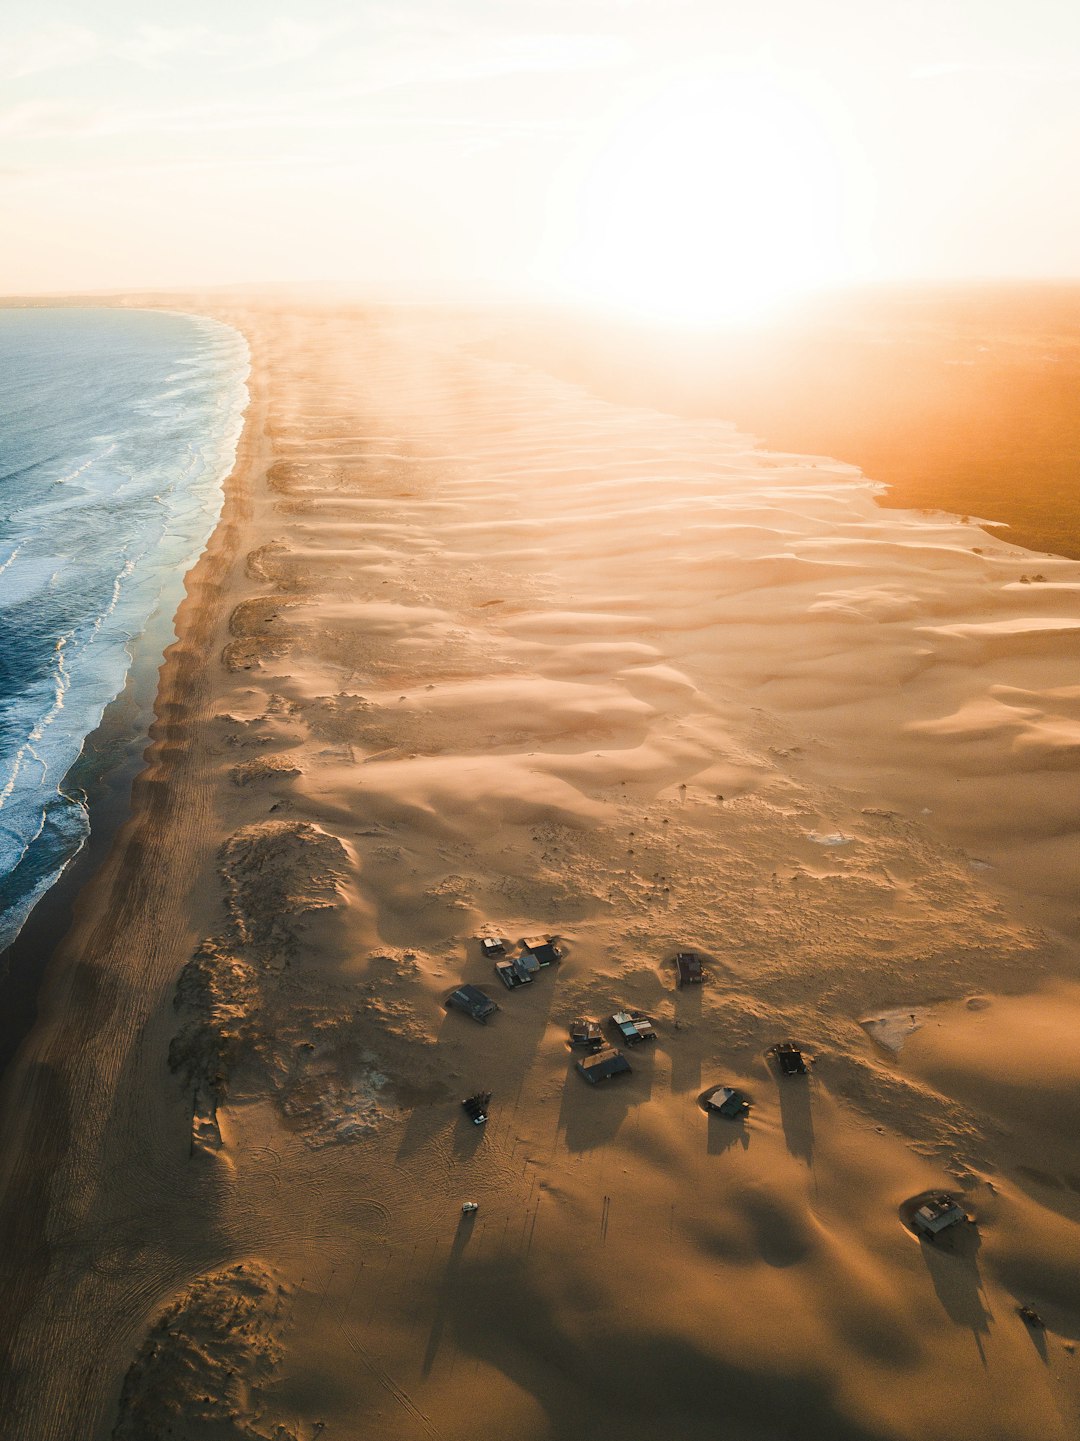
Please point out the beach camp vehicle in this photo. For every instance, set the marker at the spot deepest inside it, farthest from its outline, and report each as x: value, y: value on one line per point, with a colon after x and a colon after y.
x: 1031, y: 1317
x: 475, y: 1107
x: 938, y: 1213
x: 586, y: 1032
x: 514, y: 973
x: 633, y: 1026
x: 603, y: 1064
x: 790, y: 1061
x: 688, y: 969
x: 473, y: 1001
x: 544, y: 949
x: 469, y: 1208
x: 726, y: 1101
x: 492, y: 946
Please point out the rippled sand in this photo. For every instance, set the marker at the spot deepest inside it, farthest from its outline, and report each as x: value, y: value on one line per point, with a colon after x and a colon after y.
x: 498, y: 656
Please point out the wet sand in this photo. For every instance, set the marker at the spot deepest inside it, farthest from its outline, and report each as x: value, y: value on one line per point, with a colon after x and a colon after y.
x: 476, y: 652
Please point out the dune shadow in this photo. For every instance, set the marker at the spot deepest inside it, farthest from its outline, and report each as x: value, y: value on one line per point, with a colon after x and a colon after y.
x: 796, y: 1117
x: 513, y: 1324
x: 165, y: 1185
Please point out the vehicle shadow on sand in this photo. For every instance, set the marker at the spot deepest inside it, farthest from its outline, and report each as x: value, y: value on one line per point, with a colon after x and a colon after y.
x: 447, y: 1289
x: 952, y: 1262
x: 796, y: 1117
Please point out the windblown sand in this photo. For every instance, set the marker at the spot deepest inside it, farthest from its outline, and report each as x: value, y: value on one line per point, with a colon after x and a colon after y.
x: 475, y: 653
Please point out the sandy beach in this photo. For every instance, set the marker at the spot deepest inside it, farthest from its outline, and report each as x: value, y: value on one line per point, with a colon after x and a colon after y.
x: 476, y: 653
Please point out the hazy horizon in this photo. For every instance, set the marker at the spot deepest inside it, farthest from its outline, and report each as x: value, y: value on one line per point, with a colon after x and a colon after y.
x: 689, y: 165
x: 593, y: 485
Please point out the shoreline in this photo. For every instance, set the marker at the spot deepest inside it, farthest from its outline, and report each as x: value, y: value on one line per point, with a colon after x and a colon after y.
x: 112, y: 755
x: 35, y: 1094
x: 457, y: 700
x: 123, y: 737
x: 111, y: 794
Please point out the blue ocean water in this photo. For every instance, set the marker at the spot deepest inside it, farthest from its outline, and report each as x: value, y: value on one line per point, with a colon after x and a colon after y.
x: 117, y: 429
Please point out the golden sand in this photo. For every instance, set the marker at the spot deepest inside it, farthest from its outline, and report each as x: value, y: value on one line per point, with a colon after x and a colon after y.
x: 473, y: 652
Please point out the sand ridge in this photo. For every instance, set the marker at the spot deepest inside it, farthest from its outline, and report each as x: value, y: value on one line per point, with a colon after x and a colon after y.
x: 201, y: 1368
x: 498, y: 656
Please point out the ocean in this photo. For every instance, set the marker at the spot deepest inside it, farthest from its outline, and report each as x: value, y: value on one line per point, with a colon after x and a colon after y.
x: 117, y: 430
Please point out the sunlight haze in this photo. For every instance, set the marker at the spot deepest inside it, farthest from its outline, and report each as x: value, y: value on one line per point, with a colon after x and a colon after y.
x: 572, y: 501
x: 686, y: 161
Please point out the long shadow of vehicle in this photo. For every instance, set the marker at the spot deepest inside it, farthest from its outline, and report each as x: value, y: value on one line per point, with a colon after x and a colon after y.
x: 686, y: 1042
x: 951, y: 1258
x: 448, y: 1287
x: 796, y: 1116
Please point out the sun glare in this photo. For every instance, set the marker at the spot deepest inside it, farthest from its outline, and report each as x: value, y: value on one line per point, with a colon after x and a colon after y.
x: 713, y: 201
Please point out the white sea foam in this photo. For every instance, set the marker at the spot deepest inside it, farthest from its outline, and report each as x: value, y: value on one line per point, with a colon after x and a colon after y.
x: 117, y: 429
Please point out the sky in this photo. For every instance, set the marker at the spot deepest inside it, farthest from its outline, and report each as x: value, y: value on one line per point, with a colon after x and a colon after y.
x: 686, y: 158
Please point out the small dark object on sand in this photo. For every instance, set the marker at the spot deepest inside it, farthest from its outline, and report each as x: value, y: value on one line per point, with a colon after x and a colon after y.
x: 789, y: 1059
x: 475, y: 1107
x: 586, y: 1032
x: 603, y: 1064
x: 545, y: 948
x: 513, y: 973
x: 1032, y: 1317
x: 939, y: 1212
x: 633, y: 1026
x: 688, y: 969
x: 473, y: 1001
x: 726, y: 1101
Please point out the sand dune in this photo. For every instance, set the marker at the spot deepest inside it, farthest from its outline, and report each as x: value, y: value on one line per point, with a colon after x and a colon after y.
x: 500, y: 658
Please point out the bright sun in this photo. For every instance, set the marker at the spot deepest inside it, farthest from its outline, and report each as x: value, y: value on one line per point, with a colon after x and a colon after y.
x: 713, y: 201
